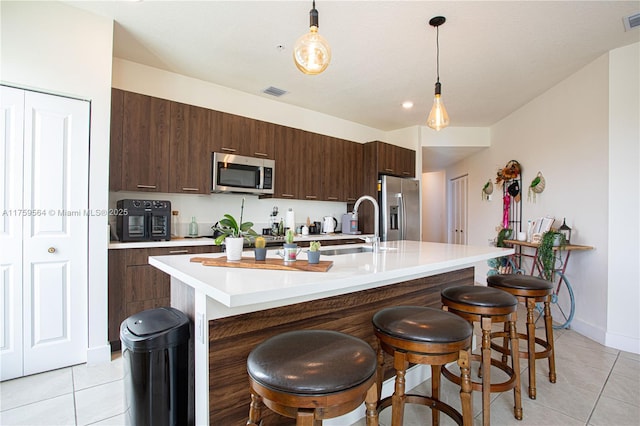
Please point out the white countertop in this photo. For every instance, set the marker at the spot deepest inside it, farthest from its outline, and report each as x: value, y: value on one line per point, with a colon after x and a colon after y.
x: 205, y: 241
x: 397, y: 261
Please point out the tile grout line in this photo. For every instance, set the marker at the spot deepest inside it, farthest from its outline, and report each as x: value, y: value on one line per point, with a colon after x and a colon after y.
x: 604, y: 385
x: 73, y: 393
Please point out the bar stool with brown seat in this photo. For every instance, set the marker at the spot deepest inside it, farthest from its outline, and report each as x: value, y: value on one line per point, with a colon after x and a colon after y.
x: 421, y: 335
x: 312, y: 375
x: 487, y: 306
x: 529, y: 290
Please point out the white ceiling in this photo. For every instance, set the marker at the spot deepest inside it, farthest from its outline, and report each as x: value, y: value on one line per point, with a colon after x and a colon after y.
x: 495, y: 56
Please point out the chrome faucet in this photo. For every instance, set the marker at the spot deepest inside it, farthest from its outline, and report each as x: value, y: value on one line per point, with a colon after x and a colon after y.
x: 376, y: 237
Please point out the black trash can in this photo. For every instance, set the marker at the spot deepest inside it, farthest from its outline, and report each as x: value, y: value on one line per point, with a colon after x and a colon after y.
x: 155, y: 352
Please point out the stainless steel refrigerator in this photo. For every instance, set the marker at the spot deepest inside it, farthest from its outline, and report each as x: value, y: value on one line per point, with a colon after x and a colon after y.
x: 399, y: 209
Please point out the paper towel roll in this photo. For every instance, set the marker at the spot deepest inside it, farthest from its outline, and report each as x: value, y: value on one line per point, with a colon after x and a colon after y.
x: 290, y: 220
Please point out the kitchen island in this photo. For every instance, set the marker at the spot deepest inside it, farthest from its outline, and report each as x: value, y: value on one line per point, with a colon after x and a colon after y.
x: 235, y: 309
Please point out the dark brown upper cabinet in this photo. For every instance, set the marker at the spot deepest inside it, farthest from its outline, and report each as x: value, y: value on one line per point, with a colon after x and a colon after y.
x: 145, y: 143
x: 190, y: 149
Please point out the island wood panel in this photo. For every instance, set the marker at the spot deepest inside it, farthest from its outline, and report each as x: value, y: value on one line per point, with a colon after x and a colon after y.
x: 231, y: 339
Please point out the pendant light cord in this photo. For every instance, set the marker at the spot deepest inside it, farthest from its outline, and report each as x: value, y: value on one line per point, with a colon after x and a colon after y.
x: 437, y: 54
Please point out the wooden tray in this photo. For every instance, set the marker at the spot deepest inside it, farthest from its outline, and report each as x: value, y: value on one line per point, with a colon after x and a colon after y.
x: 273, y: 264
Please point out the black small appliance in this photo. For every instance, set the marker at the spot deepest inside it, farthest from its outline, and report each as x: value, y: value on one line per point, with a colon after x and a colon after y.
x: 143, y: 220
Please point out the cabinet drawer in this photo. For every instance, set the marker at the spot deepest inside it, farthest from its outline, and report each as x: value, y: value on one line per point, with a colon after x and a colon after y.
x: 141, y: 256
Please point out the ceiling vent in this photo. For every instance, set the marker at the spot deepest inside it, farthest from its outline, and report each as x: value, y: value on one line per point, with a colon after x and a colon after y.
x: 631, y: 22
x: 274, y: 91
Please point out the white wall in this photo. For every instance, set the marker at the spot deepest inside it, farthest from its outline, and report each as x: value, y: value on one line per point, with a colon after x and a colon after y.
x: 623, y: 315
x: 54, y: 48
x: 565, y: 134
x: 434, y: 207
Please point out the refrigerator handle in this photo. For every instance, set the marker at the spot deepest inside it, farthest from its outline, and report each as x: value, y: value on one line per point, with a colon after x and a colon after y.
x: 403, y: 217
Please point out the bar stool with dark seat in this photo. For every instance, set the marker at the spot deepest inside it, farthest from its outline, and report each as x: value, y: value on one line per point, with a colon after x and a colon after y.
x: 312, y: 375
x: 421, y: 335
x: 529, y: 290
x: 487, y: 306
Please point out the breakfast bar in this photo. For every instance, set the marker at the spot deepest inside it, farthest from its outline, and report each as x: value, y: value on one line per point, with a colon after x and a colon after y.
x: 234, y: 309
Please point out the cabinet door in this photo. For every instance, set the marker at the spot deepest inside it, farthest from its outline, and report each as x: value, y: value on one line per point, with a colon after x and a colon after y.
x: 406, y: 162
x: 190, y: 152
x: 287, y: 151
x: 115, y: 144
x: 353, y: 165
x: 334, y: 169
x: 262, y: 142
x: 145, y: 143
x: 387, y: 163
x: 235, y: 135
x: 307, y: 158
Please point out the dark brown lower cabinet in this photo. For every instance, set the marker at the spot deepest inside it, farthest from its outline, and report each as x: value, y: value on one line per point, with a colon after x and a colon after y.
x: 135, y: 286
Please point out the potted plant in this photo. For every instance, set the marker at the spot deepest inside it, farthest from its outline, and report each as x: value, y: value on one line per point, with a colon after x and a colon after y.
x: 290, y: 252
x: 233, y: 233
x: 260, y: 250
x: 546, y: 252
x: 313, y: 255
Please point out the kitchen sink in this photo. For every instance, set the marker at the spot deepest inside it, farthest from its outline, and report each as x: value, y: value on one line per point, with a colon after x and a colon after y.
x: 354, y: 250
x: 346, y: 250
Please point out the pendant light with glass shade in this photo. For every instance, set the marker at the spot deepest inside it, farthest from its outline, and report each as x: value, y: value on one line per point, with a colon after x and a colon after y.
x: 311, y: 52
x: 438, y: 117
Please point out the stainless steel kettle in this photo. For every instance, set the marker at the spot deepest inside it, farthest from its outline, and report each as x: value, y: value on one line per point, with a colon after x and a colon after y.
x: 329, y: 224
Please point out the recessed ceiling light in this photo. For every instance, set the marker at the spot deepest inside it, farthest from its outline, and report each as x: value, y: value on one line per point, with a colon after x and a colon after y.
x: 407, y: 105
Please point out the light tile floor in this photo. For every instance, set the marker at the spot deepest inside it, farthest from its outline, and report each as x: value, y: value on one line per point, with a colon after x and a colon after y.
x: 596, y: 386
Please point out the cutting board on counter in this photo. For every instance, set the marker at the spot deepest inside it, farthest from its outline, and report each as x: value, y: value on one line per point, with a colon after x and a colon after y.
x: 273, y: 264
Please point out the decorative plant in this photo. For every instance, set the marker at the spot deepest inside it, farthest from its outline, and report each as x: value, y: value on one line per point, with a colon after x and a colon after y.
x: 314, y: 246
x: 503, y: 234
x: 230, y: 227
x: 546, y: 254
x: 260, y: 242
x: 288, y: 238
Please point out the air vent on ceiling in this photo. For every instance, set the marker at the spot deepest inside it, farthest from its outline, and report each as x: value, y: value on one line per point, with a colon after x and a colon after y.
x: 274, y: 91
x: 631, y: 22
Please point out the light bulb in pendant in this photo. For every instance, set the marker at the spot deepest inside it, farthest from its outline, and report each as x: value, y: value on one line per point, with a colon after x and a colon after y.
x: 311, y: 52
x: 438, y: 116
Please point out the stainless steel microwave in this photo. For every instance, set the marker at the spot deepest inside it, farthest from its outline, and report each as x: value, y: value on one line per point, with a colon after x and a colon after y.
x: 237, y: 173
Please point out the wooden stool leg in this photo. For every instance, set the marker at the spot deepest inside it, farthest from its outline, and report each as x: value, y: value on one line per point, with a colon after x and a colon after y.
x: 371, y: 401
x: 505, y: 341
x: 307, y: 418
x: 398, y: 398
x: 380, y: 371
x: 486, y: 370
x: 255, y: 410
x: 548, y: 326
x: 515, y: 364
x: 531, y: 347
x: 465, y: 388
x: 436, y: 371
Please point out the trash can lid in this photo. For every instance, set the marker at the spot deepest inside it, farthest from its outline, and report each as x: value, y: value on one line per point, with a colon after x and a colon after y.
x: 154, y: 321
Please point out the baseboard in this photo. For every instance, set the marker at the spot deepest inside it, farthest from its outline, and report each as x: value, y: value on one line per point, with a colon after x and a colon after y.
x: 99, y: 355
x: 623, y: 343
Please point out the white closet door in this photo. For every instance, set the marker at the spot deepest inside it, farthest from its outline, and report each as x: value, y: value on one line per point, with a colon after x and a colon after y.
x: 55, y: 244
x: 458, y: 210
x: 11, y: 126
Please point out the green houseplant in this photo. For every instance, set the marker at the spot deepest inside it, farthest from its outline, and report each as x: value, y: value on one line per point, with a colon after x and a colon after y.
x: 233, y: 233
x: 546, y: 253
